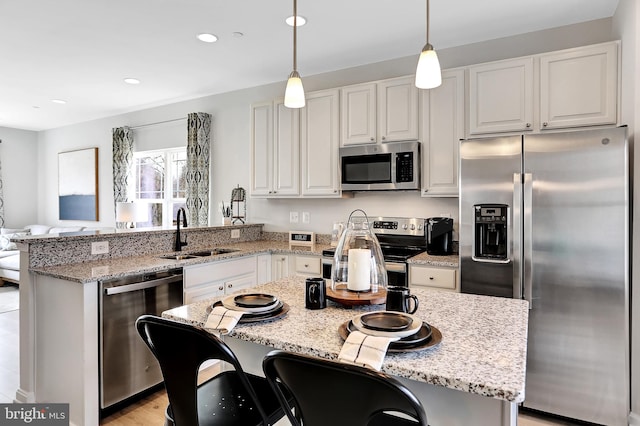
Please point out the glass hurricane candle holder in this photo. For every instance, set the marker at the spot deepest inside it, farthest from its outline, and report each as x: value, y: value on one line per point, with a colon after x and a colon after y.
x: 358, y: 264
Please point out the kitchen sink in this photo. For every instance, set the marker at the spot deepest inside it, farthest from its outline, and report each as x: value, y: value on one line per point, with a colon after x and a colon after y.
x: 178, y: 256
x: 212, y: 252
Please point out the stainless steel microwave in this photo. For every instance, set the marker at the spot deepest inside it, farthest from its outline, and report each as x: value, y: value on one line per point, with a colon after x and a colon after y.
x: 381, y: 167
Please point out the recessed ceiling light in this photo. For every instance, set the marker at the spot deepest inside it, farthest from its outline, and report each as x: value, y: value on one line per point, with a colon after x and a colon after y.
x: 301, y: 21
x: 237, y: 34
x: 36, y: 107
x: 207, y: 38
x: 58, y: 101
x: 132, y: 81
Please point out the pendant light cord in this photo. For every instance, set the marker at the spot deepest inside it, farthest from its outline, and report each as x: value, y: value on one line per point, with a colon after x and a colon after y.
x: 427, y: 21
x: 295, y: 35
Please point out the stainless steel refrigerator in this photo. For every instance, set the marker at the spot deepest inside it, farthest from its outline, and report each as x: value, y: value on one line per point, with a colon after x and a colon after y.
x: 545, y: 217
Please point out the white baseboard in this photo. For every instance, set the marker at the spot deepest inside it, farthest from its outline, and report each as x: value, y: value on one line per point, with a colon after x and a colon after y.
x: 24, y: 397
x: 634, y: 419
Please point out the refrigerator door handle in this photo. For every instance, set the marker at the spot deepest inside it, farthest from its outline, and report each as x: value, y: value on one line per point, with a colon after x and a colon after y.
x: 527, y: 239
x: 516, y: 236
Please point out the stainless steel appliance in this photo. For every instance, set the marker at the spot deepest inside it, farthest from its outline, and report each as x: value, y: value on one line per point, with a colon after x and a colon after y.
x: 400, y: 238
x: 127, y: 366
x: 387, y: 166
x: 546, y: 217
x: 439, y: 235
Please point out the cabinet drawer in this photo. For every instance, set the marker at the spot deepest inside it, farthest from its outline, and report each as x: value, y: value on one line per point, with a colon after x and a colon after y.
x: 204, y: 292
x: 308, y: 265
x: 215, y: 271
x: 432, y: 277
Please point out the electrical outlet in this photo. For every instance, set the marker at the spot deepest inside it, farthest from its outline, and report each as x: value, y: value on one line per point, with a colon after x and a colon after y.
x: 293, y: 217
x: 305, y: 217
x: 235, y: 233
x: 100, y: 247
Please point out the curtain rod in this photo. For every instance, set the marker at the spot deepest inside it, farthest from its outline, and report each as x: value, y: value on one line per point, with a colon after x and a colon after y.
x: 159, y: 122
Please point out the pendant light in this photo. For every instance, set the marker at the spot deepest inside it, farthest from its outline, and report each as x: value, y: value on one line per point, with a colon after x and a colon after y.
x: 294, y: 94
x: 428, y: 74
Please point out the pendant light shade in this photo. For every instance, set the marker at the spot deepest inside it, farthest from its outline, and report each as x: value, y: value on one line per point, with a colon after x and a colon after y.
x: 428, y: 73
x: 294, y: 93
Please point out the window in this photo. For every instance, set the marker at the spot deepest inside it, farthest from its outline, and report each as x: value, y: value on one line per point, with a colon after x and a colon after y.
x: 160, y: 182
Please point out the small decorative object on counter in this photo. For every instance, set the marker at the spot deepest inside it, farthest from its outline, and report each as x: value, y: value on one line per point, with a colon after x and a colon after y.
x: 315, y: 294
x: 226, y: 213
x: 358, y: 265
x: 238, y: 205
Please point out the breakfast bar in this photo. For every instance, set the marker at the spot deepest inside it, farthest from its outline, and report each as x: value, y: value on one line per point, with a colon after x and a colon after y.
x: 475, y: 375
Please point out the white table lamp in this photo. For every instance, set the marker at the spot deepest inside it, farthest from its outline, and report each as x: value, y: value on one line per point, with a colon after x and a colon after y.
x: 132, y: 213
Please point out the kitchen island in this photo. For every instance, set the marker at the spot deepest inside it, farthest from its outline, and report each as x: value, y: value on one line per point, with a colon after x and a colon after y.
x: 476, y: 375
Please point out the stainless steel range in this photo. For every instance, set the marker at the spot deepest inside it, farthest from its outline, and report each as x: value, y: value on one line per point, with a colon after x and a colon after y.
x: 400, y: 239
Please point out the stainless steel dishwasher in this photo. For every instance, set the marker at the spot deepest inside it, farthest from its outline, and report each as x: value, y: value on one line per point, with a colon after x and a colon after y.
x: 127, y: 366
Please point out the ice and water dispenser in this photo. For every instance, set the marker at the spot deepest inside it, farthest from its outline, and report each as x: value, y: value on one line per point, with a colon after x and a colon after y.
x: 491, y: 233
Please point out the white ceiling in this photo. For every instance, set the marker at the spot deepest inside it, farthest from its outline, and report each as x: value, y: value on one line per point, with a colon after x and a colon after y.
x: 81, y: 50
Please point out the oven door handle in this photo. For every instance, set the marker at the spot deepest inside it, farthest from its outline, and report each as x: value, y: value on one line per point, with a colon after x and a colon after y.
x: 396, y: 267
x: 142, y: 285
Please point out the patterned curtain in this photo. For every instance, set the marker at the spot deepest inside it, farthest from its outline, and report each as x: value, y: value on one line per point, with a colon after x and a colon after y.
x: 122, y: 164
x: 198, y: 134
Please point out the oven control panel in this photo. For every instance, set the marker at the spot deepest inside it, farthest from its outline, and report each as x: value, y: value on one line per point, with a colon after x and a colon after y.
x: 399, y: 226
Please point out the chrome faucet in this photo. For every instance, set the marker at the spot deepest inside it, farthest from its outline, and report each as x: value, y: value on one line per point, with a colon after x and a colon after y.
x: 179, y: 243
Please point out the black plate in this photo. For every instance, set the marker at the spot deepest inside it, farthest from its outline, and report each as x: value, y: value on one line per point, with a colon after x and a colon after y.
x: 279, y: 311
x: 425, y: 338
x: 386, y: 321
x: 255, y: 300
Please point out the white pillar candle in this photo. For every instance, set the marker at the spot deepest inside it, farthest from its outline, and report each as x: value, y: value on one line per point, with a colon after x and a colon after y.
x: 359, y: 278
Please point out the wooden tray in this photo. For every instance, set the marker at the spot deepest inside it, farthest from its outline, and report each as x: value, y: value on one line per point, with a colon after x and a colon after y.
x: 353, y: 298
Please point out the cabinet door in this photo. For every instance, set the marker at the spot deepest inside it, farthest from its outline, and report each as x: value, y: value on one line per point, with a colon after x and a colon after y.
x: 286, y: 164
x: 262, y: 149
x: 501, y: 96
x: 358, y: 114
x: 320, y: 143
x: 579, y: 87
x: 308, y: 266
x: 279, y: 266
x: 240, y: 282
x: 397, y: 110
x: 442, y: 128
x: 264, y: 268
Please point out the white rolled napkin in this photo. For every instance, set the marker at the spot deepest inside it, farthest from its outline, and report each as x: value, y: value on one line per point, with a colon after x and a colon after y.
x: 365, y: 350
x: 223, y: 319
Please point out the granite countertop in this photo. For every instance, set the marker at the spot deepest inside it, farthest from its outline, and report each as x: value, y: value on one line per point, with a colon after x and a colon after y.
x: 121, y: 267
x: 483, y: 349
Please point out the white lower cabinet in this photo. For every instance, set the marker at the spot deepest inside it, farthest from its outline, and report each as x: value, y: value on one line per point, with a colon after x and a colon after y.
x: 264, y: 268
x: 279, y: 266
x: 429, y: 276
x: 213, y: 279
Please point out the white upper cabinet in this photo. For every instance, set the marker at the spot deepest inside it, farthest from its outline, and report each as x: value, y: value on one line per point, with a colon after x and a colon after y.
x: 501, y: 96
x: 358, y: 114
x: 286, y: 149
x: 275, y: 150
x: 397, y: 109
x: 262, y: 149
x: 383, y: 111
x: 320, y: 140
x: 578, y: 87
x: 442, y: 127
x: 568, y: 88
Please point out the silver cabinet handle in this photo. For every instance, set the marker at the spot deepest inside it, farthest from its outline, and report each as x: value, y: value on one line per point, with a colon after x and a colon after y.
x: 141, y: 285
x: 372, y: 139
x: 528, y: 125
x: 545, y: 124
x: 384, y: 138
x: 221, y: 288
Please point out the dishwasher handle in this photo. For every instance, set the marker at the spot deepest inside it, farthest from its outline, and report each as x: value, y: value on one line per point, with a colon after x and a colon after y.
x: 142, y: 285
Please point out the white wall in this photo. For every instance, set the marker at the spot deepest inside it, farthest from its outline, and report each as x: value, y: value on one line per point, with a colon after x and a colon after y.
x: 231, y: 136
x: 19, y: 159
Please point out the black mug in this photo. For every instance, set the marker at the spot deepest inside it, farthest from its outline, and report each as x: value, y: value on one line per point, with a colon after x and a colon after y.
x: 315, y: 293
x: 399, y: 300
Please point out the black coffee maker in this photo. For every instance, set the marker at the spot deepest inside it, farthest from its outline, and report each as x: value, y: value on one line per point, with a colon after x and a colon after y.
x: 439, y: 233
